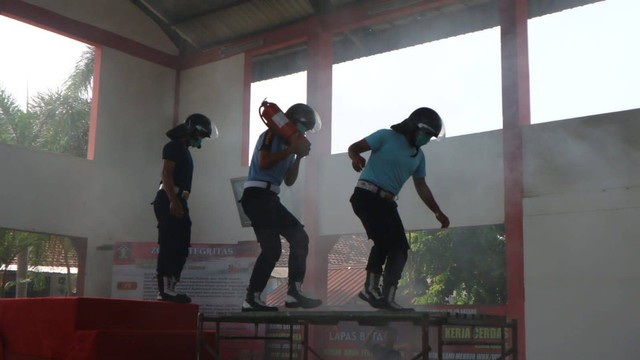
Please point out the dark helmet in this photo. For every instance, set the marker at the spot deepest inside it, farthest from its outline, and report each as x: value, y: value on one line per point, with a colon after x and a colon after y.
x: 424, y: 119
x: 196, y: 125
x: 199, y: 125
x: 304, y: 115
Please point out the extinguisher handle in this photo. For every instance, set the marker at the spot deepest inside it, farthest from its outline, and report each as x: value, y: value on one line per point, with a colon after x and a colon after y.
x: 261, y: 112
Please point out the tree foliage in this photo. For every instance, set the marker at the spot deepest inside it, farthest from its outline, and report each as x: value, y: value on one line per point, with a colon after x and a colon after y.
x: 56, y: 119
x: 44, y: 250
x: 13, y: 243
x: 456, y: 266
x: 80, y: 80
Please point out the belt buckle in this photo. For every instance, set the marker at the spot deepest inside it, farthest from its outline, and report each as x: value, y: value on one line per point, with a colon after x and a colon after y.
x: 386, y: 195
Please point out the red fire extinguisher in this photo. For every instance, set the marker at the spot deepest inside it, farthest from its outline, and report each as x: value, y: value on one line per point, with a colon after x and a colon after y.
x: 277, y: 121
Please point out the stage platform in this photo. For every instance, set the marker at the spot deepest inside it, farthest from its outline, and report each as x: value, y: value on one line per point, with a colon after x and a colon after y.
x: 304, y: 319
x: 80, y: 328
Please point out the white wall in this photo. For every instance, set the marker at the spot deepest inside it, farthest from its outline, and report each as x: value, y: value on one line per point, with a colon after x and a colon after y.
x: 103, y: 200
x: 582, y: 207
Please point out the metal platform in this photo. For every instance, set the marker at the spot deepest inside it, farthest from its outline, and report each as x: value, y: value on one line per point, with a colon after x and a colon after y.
x: 425, y: 320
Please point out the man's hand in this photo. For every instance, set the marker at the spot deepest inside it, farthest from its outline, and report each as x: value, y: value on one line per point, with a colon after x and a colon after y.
x: 176, y: 209
x: 443, y: 219
x: 301, y: 146
x: 357, y: 162
x: 354, y: 151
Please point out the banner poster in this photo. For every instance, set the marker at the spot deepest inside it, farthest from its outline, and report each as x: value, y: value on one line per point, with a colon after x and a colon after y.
x: 348, y: 340
x: 402, y: 340
x: 215, y: 277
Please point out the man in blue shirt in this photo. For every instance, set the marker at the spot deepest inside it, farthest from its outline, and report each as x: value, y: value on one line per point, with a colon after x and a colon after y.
x: 395, y: 156
x: 170, y: 203
x: 276, y: 160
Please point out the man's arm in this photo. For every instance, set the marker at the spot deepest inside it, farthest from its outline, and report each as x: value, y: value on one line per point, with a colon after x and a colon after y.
x: 268, y: 159
x: 354, y: 151
x: 175, y: 206
x: 427, y: 197
x: 292, y: 173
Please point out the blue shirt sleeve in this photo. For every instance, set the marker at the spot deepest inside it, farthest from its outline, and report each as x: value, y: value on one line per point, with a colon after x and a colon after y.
x: 376, y: 139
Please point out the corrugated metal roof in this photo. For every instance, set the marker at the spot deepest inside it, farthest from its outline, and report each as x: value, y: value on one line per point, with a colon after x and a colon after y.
x: 248, y: 18
x: 197, y: 25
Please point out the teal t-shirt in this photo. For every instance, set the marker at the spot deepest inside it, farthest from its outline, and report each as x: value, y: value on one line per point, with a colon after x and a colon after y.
x: 391, y: 162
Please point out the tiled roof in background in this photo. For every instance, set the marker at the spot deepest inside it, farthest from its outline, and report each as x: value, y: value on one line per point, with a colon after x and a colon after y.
x: 347, y: 261
x: 343, y: 286
x: 53, y: 253
x: 350, y: 250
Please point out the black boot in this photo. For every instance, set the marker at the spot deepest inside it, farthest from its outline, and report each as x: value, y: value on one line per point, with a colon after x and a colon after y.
x: 253, y: 302
x: 297, y: 299
x: 169, y: 292
x: 371, y: 292
x: 160, y: 280
x: 389, y: 294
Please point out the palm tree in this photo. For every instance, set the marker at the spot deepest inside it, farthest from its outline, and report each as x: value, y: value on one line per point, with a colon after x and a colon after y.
x: 12, y: 243
x: 56, y: 120
x: 16, y: 126
x: 81, y: 79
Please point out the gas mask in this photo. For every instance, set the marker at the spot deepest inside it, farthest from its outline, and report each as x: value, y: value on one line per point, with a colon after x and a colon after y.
x: 301, y: 128
x: 422, y: 138
x: 196, y: 142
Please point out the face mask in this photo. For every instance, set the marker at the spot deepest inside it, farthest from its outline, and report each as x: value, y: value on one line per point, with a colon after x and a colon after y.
x: 196, y: 143
x: 422, y: 139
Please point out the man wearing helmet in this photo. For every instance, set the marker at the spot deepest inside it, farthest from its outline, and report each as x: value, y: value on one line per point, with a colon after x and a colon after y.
x: 170, y: 203
x: 395, y: 156
x: 276, y: 160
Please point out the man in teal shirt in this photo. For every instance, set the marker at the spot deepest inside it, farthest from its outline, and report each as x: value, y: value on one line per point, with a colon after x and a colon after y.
x: 395, y: 156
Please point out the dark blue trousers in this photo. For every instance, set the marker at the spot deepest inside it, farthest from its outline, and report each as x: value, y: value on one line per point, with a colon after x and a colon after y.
x: 174, y: 237
x: 270, y: 220
x: 384, y: 227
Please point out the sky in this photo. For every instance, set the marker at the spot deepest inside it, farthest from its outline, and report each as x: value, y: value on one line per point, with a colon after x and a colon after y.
x: 583, y: 61
x: 33, y: 60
